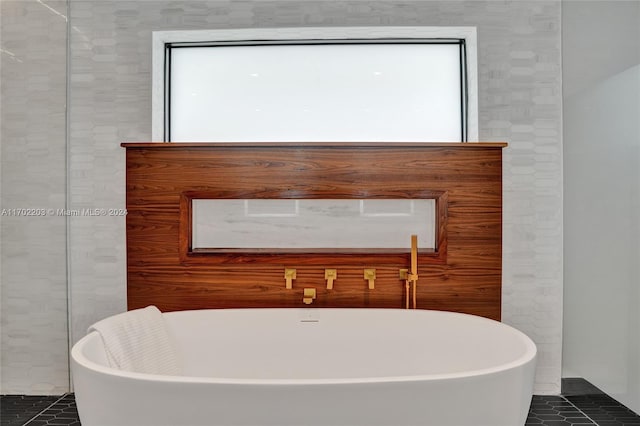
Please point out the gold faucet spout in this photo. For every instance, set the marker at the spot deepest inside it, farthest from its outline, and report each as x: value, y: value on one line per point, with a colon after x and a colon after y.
x: 308, y: 296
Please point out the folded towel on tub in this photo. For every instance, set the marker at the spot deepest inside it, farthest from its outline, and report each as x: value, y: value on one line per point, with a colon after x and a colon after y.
x: 138, y: 341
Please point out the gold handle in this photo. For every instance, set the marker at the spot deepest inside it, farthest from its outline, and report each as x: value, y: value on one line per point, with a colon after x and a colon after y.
x: 414, y: 255
x: 370, y: 276
x: 413, y: 277
x: 404, y: 275
x: 289, y: 276
x: 330, y: 275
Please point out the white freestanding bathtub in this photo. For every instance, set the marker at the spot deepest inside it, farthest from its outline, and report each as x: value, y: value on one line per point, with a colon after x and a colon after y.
x: 300, y: 367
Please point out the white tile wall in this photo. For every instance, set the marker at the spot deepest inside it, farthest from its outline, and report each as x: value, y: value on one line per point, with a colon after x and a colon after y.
x: 34, y: 290
x: 602, y: 201
x: 519, y: 102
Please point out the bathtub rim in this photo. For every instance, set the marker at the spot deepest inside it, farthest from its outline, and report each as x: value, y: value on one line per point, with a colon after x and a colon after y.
x: 78, y: 357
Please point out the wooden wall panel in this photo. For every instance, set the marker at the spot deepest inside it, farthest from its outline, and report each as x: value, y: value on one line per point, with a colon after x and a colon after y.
x: 464, y: 274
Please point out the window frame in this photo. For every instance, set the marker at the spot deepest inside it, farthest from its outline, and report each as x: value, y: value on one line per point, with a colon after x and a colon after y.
x: 165, y: 41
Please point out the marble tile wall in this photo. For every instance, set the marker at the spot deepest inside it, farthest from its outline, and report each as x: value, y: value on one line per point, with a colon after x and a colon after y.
x: 33, y: 273
x: 519, y: 102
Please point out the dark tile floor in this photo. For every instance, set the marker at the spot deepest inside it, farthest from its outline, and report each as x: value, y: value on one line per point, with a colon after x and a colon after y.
x: 604, y: 410
x: 15, y: 410
x: 19, y: 410
x: 581, y: 404
x: 555, y: 411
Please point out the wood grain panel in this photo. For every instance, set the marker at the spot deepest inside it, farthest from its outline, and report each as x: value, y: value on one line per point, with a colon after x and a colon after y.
x: 463, y: 275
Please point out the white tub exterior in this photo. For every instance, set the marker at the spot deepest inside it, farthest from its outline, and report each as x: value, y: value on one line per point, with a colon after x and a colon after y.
x: 318, y: 367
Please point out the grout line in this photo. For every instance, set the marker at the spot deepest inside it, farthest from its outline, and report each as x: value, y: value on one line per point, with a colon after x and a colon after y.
x: 67, y: 197
x: 42, y: 412
x: 581, y: 412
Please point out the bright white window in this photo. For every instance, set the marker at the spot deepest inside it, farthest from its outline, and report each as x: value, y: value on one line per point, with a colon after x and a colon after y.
x: 316, y: 84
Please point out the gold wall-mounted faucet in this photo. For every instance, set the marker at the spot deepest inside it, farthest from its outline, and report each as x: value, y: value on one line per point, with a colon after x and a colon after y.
x: 370, y: 276
x: 308, y: 296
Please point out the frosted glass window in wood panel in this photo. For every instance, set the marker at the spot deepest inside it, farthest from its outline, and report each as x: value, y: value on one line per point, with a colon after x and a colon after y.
x: 312, y: 223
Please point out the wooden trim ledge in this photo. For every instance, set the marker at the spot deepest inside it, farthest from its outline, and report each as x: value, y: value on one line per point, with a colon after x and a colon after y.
x: 173, y: 145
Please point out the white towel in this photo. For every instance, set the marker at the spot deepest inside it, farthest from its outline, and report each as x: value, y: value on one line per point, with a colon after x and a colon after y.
x: 138, y: 341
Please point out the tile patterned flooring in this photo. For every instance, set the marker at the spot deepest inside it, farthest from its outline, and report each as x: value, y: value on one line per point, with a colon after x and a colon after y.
x: 583, y: 410
x: 19, y: 410
x: 582, y: 404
